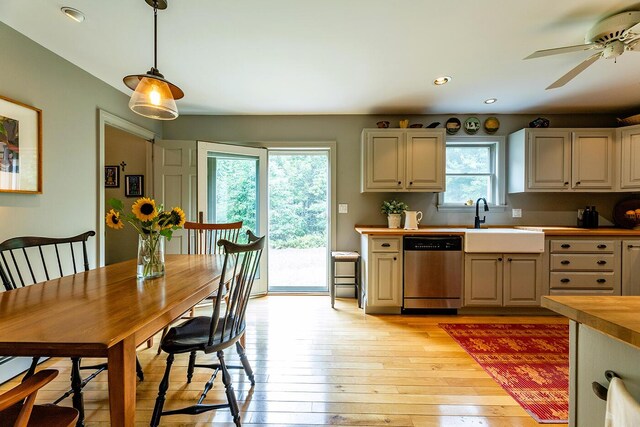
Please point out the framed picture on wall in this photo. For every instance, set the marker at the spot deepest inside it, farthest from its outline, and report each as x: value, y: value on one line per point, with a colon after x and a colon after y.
x: 134, y: 185
x: 20, y: 147
x: 112, y: 176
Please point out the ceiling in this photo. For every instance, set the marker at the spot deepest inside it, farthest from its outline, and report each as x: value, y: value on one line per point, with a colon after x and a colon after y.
x: 344, y: 56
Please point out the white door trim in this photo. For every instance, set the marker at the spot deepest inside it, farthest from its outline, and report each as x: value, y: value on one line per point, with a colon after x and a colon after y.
x: 105, y: 118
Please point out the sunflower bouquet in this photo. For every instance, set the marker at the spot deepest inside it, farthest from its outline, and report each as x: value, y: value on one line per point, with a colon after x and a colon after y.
x: 152, y: 223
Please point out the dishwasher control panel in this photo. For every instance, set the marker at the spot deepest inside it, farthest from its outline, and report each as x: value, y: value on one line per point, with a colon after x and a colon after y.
x: 433, y: 243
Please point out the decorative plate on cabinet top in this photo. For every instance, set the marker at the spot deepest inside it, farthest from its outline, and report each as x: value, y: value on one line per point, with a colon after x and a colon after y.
x: 491, y: 125
x: 472, y: 125
x: 453, y: 126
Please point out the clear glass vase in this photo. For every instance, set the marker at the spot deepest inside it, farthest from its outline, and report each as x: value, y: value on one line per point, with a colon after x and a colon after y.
x: 150, y: 256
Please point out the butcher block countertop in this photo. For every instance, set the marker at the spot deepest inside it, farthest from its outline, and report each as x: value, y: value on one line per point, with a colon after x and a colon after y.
x: 460, y: 230
x: 616, y: 316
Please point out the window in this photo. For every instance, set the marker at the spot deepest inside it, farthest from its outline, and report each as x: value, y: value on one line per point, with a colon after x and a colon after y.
x: 475, y: 168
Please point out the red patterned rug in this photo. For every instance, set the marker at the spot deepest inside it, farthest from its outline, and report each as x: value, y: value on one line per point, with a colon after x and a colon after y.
x: 529, y: 361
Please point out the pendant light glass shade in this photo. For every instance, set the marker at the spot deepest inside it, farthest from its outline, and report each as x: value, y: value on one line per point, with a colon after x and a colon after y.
x: 152, y: 98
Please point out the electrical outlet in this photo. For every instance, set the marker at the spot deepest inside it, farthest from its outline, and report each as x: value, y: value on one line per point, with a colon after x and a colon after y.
x: 516, y: 213
x: 343, y: 208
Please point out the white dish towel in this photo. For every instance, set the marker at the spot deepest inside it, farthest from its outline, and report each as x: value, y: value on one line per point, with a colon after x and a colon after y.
x: 622, y: 409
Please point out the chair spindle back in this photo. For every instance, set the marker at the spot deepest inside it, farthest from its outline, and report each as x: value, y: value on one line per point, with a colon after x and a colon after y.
x: 202, y: 237
x: 241, y: 264
x: 28, y: 260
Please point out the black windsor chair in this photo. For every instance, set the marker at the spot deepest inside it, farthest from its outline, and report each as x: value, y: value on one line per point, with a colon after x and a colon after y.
x: 217, y: 332
x: 28, y: 260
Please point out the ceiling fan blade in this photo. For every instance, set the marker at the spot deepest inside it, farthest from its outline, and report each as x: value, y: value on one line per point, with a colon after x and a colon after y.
x: 566, y: 49
x: 575, y: 71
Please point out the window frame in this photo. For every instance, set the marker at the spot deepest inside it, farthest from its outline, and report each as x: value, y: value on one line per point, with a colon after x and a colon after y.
x: 498, y: 167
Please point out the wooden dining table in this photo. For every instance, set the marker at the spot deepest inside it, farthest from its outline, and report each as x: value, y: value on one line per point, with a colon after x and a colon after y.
x: 105, y: 312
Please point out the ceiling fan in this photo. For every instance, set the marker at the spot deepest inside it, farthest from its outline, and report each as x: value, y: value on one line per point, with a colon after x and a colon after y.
x: 610, y: 37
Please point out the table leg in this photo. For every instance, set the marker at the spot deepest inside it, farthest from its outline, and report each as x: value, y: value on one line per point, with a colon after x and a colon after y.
x: 122, y: 383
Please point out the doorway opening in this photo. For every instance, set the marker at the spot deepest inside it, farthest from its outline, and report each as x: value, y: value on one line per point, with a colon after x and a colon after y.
x: 298, y: 220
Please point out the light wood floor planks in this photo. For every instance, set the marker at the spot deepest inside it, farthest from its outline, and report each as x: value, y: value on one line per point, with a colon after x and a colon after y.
x: 318, y: 366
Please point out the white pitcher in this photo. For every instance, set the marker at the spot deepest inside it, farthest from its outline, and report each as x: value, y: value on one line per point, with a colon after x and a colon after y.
x: 412, y: 219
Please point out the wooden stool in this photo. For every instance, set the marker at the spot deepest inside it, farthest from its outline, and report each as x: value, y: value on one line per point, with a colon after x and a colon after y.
x: 345, y: 257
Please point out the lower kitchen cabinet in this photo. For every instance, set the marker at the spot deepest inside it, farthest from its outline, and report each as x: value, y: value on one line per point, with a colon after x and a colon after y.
x: 382, y: 273
x: 584, y: 266
x: 631, y: 267
x: 497, y: 280
x: 591, y: 354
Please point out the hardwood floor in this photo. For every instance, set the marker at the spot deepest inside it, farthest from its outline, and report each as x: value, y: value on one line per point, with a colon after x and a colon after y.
x: 318, y: 366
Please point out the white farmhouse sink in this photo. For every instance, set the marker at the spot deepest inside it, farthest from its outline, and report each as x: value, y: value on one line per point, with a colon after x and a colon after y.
x: 503, y: 240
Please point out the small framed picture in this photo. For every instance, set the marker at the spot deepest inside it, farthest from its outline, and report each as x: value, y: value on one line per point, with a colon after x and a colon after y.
x: 112, y: 176
x: 134, y: 185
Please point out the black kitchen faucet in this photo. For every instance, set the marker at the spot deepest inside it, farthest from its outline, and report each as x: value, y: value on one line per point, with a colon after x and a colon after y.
x: 479, y: 221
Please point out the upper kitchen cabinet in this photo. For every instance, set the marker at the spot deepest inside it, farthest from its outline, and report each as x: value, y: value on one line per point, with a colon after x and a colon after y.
x: 548, y: 160
x: 629, y: 158
x: 395, y: 160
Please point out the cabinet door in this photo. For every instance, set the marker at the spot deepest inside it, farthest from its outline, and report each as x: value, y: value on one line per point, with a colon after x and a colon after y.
x: 522, y: 279
x: 483, y: 280
x: 384, y: 284
x: 383, y: 160
x: 425, y: 160
x: 549, y: 161
x: 630, y: 158
x: 592, y: 160
x: 631, y: 267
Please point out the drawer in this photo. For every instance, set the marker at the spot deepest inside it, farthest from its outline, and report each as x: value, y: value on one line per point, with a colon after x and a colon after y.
x: 576, y: 280
x: 597, y: 246
x: 385, y: 244
x: 582, y: 262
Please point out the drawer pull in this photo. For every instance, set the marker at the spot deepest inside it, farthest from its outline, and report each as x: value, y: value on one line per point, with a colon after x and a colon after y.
x: 565, y: 245
x: 565, y: 280
x: 602, y: 246
x: 499, y: 259
x: 578, y: 183
x: 509, y: 259
x: 566, y: 183
x: 602, y: 262
x: 565, y: 262
x: 395, y: 259
x: 601, y: 280
x: 399, y: 182
x: 386, y: 245
x: 410, y: 182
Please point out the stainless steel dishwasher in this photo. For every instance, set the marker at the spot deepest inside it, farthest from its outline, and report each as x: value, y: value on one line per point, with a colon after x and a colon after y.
x: 432, y: 272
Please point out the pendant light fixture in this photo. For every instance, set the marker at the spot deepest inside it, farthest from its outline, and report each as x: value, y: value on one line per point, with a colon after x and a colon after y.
x: 153, y: 96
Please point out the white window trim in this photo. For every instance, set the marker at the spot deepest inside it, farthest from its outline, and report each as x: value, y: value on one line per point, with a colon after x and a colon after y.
x: 500, y: 172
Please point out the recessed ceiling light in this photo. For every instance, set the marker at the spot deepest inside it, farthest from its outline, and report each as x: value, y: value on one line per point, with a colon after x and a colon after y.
x: 439, y: 81
x: 490, y: 100
x: 72, y: 13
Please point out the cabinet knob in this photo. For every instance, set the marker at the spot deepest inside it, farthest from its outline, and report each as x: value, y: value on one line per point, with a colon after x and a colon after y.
x: 578, y: 183
x: 385, y: 245
x: 601, y: 280
x: 565, y: 246
x: 565, y: 262
x: 565, y: 280
x: 602, y: 262
x: 602, y: 246
x: 566, y: 183
x: 399, y: 182
x: 395, y: 259
x: 509, y: 259
x: 499, y: 259
x: 410, y: 182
